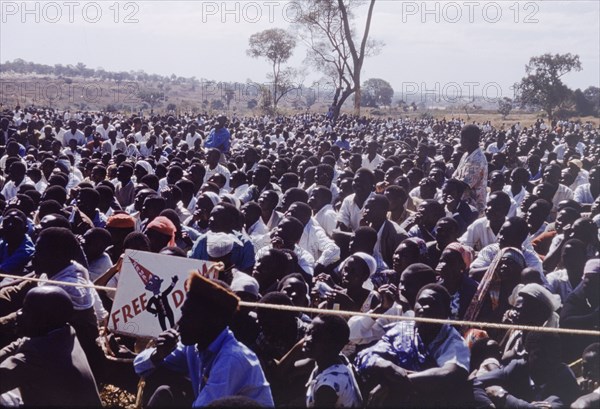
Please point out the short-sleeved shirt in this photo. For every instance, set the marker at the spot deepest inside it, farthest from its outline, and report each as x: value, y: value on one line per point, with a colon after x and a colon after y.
x: 340, y: 378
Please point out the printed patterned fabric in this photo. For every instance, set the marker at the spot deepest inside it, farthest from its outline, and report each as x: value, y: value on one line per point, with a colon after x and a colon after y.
x: 400, y: 345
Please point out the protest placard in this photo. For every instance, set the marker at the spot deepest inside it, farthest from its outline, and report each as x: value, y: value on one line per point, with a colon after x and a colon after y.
x: 151, y: 291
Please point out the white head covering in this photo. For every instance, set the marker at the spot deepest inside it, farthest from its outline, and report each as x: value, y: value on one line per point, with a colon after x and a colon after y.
x: 219, y: 244
x: 371, y: 263
x: 213, y: 197
x: 146, y: 165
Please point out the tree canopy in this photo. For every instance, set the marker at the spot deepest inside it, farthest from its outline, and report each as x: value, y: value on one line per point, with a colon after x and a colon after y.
x: 542, y: 86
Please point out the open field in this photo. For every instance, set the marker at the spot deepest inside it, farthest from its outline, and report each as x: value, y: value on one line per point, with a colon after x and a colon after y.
x: 78, y: 93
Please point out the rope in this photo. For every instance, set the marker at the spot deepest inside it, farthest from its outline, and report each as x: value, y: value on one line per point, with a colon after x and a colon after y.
x: 317, y: 311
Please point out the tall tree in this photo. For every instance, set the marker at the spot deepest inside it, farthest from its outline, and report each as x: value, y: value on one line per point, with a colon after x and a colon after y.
x: 543, y: 86
x: 376, y: 92
x: 334, y: 48
x: 505, y: 105
x: 277, y: 46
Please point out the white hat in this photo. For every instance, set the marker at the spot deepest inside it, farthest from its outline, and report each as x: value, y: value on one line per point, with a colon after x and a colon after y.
x: 243, y: 282
x: 371, y: 263
x: 541, y: 294
x: 220, y: 244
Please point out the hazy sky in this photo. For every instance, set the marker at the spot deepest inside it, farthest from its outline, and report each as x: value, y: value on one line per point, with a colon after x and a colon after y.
x: 472, y: 45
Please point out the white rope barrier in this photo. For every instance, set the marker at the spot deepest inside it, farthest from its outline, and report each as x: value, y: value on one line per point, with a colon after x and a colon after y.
x: 474, y: 324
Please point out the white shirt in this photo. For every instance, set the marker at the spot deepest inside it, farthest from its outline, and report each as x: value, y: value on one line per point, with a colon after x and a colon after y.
x: 10, y: 189
x: 78, y: 136
x: 583, y: 194
x: 259, y: 235
x: 350, y: 214
x: 479, y: 234
x: 493, y: 148
x: 374, y: 164
x: 558, y: 283
x: 305, y: 260
x: 327, y: 219
x: 318, y: 244
x: 335, y: 191
x: 518, y: 198
x: 364, y: 330
x: 561, y: 149
x: 104, y: 132
x: 488, y: 253
x: 191, y: 139
x: 562, y: 193
x: 221, y: 170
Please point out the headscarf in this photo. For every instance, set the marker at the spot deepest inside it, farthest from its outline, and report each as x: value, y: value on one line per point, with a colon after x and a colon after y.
x: 214, y: 198
x: 369, y: 260
x: 465, y: 252
x: 165, y: 226
x: 490, y: 283
x: 146, y: 165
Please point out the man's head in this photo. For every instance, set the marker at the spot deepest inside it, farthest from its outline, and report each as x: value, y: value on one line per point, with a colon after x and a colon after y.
x: 319, y: 197
x: 591, y: 362
x: 537, y: 214
x: 14, y: 227
x: 513, y: 233
x: 574, y: 257
x: 224, y: 218
x: 446, y: 230
x: 452, y: 190
x: 429, y: 212
x: 432, y: 301
x: 16, y: 172
x: 251, y: 212
x: 469, y: 137
x: 552, y: 174
x: 54, y: 250
x: 270, y: 267
x: 300, y: 211
x: 534, y: 305
x: 45, y: 309
x: 413, y: 279
x: 261, y: 176
x: 543, y: 355
x: 326, y: 337
x: 375, y: 210
x: 363, y: 183
x: 497, y: 207
x: 293, y: 195
x: 287, y: 234
x: 207, y: 310
x: 268, y: 201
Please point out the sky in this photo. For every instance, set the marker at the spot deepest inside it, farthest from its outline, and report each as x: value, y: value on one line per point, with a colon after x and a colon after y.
x: 443, y: 47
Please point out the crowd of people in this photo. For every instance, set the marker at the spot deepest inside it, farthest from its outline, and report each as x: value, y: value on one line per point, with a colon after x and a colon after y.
x: 444, y: 219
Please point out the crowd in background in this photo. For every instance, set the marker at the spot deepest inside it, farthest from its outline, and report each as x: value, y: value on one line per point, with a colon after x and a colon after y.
x: 428, y: 218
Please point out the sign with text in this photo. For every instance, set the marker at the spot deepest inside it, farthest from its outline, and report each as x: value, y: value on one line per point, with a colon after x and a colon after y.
x: 151, y: 291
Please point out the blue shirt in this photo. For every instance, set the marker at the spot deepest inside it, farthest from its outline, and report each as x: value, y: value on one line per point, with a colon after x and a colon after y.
x: 343, y: 144
x: 241, y: 256
x: 15, y: 263
x: 218, y: 138
x: 227, y: 367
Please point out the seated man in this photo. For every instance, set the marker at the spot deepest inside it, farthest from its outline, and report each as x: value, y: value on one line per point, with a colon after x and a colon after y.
x: 539, y: 380
x: 484, y: 231
x: 389, y: 234
x: 413, y: 359
x: 47, y: 365
x: 512, y: 234
x: 581, y: 310
x: 590, y: 384
x: 217, y: 364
